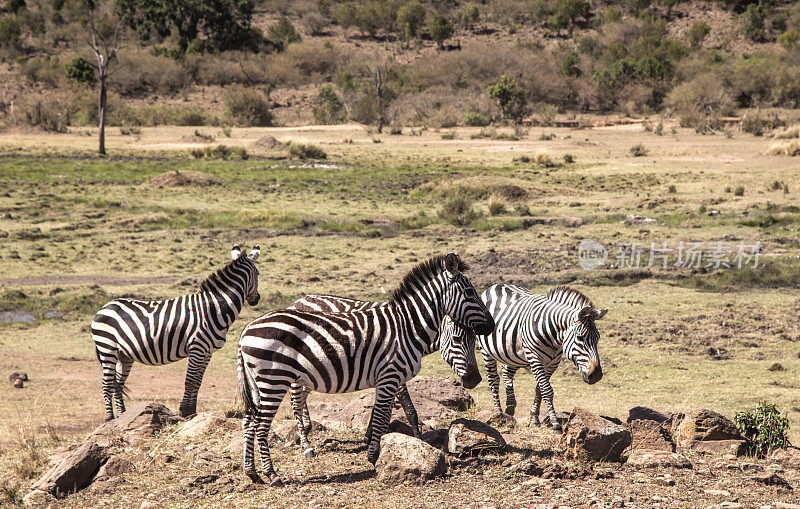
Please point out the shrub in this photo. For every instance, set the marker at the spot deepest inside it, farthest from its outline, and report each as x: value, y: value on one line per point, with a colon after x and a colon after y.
x: 469, y: 16
x: 789, y: 38
x: 80, y: 71
x: 509, y: 96
x: 638, y: 150
x: 672, y: 189
x: 791, y: 148
x: 457, y: 210
x: 441, y: 29
x: 497, y: 205
x: 247, y: 106
x: 765, y: 428
x: 474, y: 118
x: 546, y: 136
x: 283, y: 32
x: 697, y: 32
x: 753, y: 124
x: 449, y: 136
x: 345, y: 16
x: 569, y: 159
x: 411, y: 17
x: 305, y: 151
x: 542, y: 158
x: 739, y: 191
x: 10, y: 33
x: 51, y: 112
x: 329, y: 108
x: 567, y: 12
x: 610, y: 14
x: 753, y: 19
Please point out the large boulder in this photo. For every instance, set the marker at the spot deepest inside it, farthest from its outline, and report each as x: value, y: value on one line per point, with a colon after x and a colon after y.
x: 499, y: 420
x: 646, y: 458
x: 642, y: 413
x: 206, y: 424
x: 405, y: 458
x: 789, y: 457
x: 114, y: 467
x: 467, y: 437
x: 140, y: 420
x: 75, y: 471
x: 723, y: 447
x: 704, y: 425
x: 445, y: 391
x: 591, y: 436
x: 436, y: 438
x: 650, y: 434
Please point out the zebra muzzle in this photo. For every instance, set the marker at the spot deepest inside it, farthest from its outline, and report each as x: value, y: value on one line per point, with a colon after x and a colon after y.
x: 253, y: 299
x: 472, y: 378
x: 593, y: 374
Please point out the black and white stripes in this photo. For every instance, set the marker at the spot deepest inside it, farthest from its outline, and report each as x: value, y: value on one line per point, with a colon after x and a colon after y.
x: 534, y: 331
x: 380, y: 347
x: 158, y: 332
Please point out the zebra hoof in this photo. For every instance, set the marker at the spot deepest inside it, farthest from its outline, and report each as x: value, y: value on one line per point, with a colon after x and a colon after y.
x: 557, y: 430
x: 255, y: 478
x: 372, y: 458
x: 309, y: 453
x: 511, y: 409
x: 276, y: 482
x: 109, y: 418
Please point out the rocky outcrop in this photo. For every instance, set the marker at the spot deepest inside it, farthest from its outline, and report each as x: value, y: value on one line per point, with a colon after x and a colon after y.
x: 705, y: 425
x: 467, y: 437
x: 75, y: 471
x: 404, y: 458
x: 141, y: 420
x: 642, y: 413
x: 587, y: 435
x: 206, y: 424
x: 650, y: 434
x: 644, y: 458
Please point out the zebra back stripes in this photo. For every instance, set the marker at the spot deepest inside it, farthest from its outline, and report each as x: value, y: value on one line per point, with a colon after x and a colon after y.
x: 157, y: 332
x: 534, y: 331
x: 380, y: 347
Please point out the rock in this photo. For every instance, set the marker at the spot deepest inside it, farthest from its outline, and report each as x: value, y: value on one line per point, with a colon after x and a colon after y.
x: 445, y: 391
x: 113, y: 467
x: 405, y: 458
x: 639, y: 220
x: 205, y: 423
x: 734, y: 447
x: 641, y: 413
x: 468, y: 437
x: 235, y: 447
x: 436, y: 438
x: 499, y: 420
x: 141, y: 420
x: 772, y: 479
x: 703, y: 425
x: 18, y: 383
x: 400, y: 427
x: 718, y: 493
x: 286, y: 431
x: 789, y: 457
x: 527, y: 466
x: 75, y: 471
x: 38, y: 498
x: 777, y: 367
x: 644, y: 458
x: 588, y: 434
x: 18, y: 375
x: 649, y: 434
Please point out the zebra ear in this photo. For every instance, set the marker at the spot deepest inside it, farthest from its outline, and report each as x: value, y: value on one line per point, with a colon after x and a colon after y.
x: 254, y: 253
x: 599, y: 313
x: 236, y: 251
x: 451, y: 263
x: 585, y: 313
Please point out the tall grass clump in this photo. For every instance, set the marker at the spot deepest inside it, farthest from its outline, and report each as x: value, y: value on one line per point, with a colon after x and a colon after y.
x: 542, y: 158
x: 638, y: 150
x: 790, y: 148
x: 497, y: 205
x: 457, y: 210
x: 765, y: 428
x: 305, y: 151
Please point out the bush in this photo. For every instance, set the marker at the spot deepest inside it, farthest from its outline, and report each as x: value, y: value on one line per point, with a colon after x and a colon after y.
x: 80, y: 71
x: 567, y: 12
x: 542, y: 158
x: 753, y: 20
x: 283, y: 32
x: 474, y: 118
x: 329, y: 108
x: 305, y: 151
x: 441, y: 29
x: 411, y: 17
x: 753, y: 124
x: 672, y: 189
x: 497, y: 205
x: 51, y: 112
x: 569, y: 159
x: 509, y: 96
x: 791, y: 149
x: 638, y: 150
x: 247, y: 107
x: 739, y: 191
x: 789, y: 38
x: 458, y: 211
x: 698, y: 31
x: 765, y: 428
x: 10, y: 33
x: 469, y: 16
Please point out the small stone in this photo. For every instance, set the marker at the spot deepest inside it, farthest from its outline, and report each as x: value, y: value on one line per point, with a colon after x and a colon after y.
x: 665, y: 481
x: 526, y: 467
x: 731, y: 505
x: 772, y: 479
x: 646, y: 458
x: 38, y: 498
x: 718, y: 493
x: 777, y: 367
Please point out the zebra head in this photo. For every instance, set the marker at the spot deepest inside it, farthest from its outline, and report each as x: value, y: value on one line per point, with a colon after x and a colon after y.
x: 457, y: 347
x: 580, y: 343
x: 461, y: 302
x: 248, y: 262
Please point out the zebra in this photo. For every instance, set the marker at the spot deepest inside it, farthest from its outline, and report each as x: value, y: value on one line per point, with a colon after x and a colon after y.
x: 457, y: 352
x: 534, y: 331
x: 157, y: 332
x: 344, y: 352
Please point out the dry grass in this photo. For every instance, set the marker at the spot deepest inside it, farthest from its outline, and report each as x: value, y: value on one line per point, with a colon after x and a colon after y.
x: 185, y: 178
x: 789, y: 148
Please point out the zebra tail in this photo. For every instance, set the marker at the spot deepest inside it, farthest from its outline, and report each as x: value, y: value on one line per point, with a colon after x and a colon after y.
x: 245, y: 390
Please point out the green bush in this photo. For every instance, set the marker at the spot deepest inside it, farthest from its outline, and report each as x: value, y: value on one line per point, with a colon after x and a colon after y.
x: 567, y: 12
x: 697, y: 32
x: 789, y: 38
x: 305, y: 151
x: 441, y: 29
x: 10, y: 33
x: 329, y: 108
x: 765, y: 428
x: 509, y: 96
x: 283, y: 32
x: 739, y: 191
x: 79, y: 70
x: 474, y: 118
x: 469, y: 16
x: 247, y: 107
x: 457, y: 210
x: 411, y: 18
x: 638, y: 150
x: 753, y: 19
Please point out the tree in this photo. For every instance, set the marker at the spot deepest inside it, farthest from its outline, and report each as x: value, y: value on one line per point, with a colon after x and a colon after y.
x: 411, y: 17
x: 105, y: 50
x: 379, y: 75
x: 753, y: 19
x: 441, y: 29
x: 509, y: 97
x: 345, y: 16
x: 283, y: 32
x: 226, y: 22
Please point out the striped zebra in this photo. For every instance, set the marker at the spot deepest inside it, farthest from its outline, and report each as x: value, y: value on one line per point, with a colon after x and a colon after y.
x: 345, y: 352
x: 534, y: 331
x: 157, y: 332
x: 457, y: 349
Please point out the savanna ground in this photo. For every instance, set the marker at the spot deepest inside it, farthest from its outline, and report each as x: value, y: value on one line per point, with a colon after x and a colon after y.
x: 78, y: 230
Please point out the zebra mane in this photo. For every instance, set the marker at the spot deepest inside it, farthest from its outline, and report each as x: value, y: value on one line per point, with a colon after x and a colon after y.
x: 569, y: 295
x: 217, y: 276
x: 422, y: 273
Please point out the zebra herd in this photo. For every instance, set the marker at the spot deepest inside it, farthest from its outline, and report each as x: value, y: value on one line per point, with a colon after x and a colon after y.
x: 334, y: 344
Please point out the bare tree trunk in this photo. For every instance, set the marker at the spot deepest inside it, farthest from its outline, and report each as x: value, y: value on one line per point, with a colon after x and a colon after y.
x: 105, y: 52
x: 102, y: 116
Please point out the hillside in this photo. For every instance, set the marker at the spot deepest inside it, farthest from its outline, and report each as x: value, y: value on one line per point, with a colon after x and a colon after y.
x: 315, y: 62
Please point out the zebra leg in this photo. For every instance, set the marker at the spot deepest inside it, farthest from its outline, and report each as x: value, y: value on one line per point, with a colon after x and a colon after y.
x: 381, y: 413
x: 306, y: 415
x: 537, y: 403
x: 299, y: 395
x: 408, y: 407
x: 249, y: 434
x: 109, y: 363
x: 123, y: 369
x: 198, y: 360
x: 546, y: 391
x: 508, y: 381
x: 266, y: 413
x: 494, y: 380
